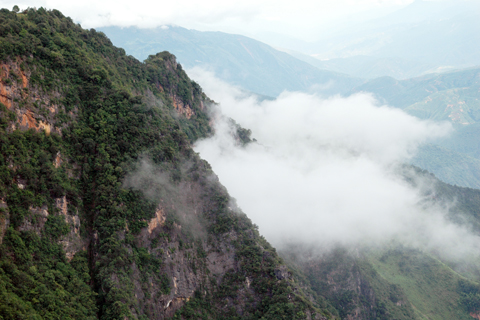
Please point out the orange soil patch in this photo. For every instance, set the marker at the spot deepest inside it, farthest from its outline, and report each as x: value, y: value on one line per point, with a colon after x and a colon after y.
x: 5, y: 97
x: 28, y: 120
x: 45, y: 126
x: 24, y: 80
x: 4, y: 70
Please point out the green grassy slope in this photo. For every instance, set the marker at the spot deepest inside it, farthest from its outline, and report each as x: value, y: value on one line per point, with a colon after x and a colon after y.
x: 429, y: 284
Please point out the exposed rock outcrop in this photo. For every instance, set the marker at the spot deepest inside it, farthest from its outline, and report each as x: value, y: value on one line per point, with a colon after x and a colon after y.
x: 34, y: 108
x: 72, y: 242
x: 36, y: 220
x: 157, y: 221
x: 181, y: 107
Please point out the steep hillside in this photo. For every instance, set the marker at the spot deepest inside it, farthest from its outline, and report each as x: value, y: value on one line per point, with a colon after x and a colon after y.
x: 105, y: 210
x: 349, y: 283
x: 394, y: 282
x: 236, y: 59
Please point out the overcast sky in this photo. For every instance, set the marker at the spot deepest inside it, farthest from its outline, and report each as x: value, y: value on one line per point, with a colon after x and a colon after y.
x: 304, y: 19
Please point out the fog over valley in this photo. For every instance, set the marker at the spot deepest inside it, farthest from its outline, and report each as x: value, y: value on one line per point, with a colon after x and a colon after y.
x: 327, y: 171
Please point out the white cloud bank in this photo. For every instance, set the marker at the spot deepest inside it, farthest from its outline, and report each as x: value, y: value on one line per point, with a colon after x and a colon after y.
x: 324, y: 170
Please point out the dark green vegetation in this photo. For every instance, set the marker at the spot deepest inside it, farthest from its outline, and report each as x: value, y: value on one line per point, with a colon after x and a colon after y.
x: 242, y: 61
x: 83, y: 233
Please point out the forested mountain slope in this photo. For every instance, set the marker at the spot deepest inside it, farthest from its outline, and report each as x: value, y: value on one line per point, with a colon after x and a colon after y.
x: 105, y: 210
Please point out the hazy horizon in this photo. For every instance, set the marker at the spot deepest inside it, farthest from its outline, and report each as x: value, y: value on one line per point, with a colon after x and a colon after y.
x: 262, y: 21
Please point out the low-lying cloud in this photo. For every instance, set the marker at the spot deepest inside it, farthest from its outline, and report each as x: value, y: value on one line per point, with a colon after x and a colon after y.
x: 326, y: 171
x: 156, y: 182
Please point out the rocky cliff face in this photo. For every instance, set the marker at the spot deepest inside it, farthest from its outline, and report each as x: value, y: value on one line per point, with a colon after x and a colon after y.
x: 34, y: 108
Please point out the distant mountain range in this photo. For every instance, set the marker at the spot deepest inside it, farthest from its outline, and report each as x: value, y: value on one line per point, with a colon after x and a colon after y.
x: 423, y: 37
x: 239, y: 60
x: 438, y: 32
x: 369, y: 67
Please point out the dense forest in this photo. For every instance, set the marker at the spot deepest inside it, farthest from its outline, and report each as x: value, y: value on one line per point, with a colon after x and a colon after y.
x: 106, y: 212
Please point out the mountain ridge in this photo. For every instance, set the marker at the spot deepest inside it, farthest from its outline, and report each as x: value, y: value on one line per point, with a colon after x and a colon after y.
x: 253, y: 65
